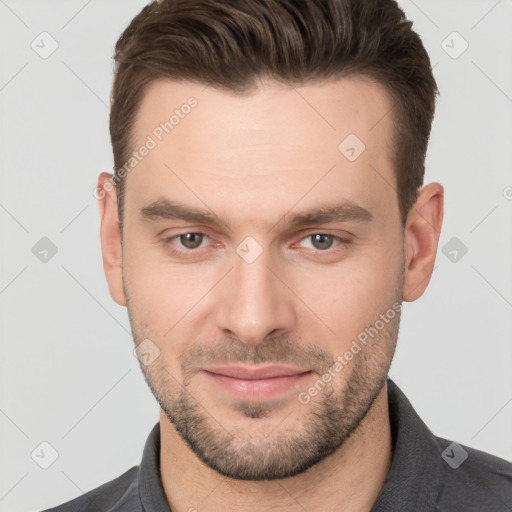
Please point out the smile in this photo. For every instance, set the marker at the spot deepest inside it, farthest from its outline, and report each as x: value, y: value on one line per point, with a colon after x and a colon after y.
x: 255, y: 384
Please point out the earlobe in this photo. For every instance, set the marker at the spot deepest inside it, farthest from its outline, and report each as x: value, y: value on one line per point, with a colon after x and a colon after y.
x: 422, y: 232
x: 110, y: 235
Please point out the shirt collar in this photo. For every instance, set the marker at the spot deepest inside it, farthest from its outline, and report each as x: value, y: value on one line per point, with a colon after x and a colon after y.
x: 414, y: 478
x: 151, y: 491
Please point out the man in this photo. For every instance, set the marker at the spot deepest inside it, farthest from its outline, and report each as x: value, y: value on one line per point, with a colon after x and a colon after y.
x: 265, y: 221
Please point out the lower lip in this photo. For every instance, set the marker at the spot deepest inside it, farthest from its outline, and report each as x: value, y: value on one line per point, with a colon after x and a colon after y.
x: 257, y: 389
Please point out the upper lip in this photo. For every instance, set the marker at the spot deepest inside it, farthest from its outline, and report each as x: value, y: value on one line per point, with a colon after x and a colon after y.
x: 253, y: 373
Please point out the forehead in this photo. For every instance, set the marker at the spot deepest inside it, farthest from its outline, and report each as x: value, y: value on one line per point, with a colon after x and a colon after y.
x: 278, y: 142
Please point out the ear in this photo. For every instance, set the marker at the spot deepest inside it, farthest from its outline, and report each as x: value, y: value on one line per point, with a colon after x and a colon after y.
x: 110, y: 235
x: 422, y: 231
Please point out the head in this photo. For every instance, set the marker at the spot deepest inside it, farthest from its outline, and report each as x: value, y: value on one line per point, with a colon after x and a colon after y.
x: 268, y: 209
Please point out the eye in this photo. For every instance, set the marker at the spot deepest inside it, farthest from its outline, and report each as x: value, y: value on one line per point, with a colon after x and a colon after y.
x: 189, y: 241
x: 324, y: 241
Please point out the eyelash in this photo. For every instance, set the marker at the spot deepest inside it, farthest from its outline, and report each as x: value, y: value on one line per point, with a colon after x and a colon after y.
x: 167, y: 241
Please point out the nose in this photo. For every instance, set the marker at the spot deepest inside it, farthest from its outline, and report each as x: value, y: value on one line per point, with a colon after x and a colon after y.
x: 255, y: 301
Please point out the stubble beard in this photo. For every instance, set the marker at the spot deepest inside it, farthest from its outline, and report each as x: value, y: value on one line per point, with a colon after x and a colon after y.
x: 254, y: 454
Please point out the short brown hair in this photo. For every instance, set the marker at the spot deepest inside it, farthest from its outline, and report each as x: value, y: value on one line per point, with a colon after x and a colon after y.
x: 229, y: 44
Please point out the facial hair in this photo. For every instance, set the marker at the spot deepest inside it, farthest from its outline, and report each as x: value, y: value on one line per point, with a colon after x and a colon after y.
x: 326, y: 421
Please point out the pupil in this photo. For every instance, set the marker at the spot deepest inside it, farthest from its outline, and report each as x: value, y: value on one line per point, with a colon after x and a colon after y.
x: 325, y: 241
x: 189, y: 240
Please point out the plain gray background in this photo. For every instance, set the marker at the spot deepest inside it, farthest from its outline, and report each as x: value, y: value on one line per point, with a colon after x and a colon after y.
x: 68, y: 374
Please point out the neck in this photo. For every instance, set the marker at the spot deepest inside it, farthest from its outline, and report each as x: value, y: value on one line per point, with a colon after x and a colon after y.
x: 349, y: 480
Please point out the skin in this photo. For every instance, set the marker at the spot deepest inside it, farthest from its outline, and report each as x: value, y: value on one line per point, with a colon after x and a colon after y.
x: 252, y: 159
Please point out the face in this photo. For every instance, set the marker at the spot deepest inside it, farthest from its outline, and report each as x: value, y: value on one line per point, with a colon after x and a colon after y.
x: 263, y: 263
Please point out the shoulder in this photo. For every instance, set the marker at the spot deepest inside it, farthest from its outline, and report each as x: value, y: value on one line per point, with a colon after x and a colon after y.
x: 473, y: 479
x: 121, y: 493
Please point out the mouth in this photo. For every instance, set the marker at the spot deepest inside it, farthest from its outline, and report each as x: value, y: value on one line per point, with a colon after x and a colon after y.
x: 255, y: 383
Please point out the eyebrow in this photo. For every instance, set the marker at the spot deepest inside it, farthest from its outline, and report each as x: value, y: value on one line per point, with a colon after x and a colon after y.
x: 339, y: 212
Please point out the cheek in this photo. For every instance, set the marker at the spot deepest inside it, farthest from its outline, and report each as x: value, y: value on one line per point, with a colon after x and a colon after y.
x: 352, y: 295
x: 164, y: 297
x: 155, y: 294
x: 158, y: 309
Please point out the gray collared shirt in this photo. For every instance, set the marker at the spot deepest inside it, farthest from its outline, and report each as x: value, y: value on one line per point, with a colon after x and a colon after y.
x: 428, y: 473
